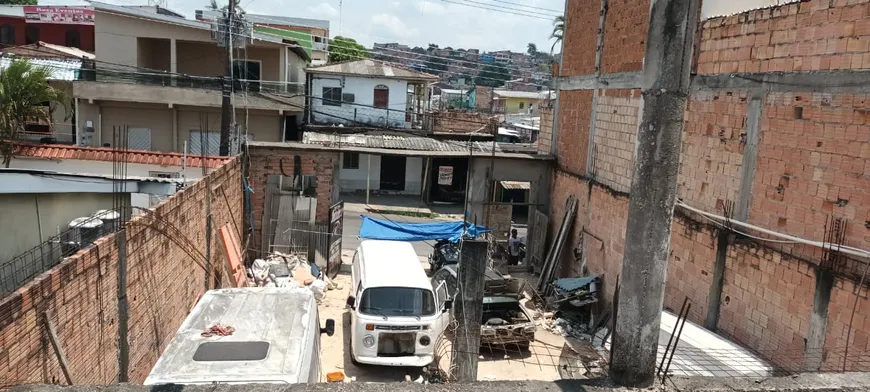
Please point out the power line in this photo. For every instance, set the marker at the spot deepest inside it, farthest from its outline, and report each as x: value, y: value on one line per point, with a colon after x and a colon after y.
x: 560, y: 12
x: 508, y: 9
x: 498, y: 10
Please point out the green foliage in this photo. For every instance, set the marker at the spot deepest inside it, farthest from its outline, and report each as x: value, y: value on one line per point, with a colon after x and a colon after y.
x: 434, y: 64
x: 346, y: 49
x: 533, y: 49
x: 418, y: 50
x: 492, y: 76
x: 558, y: 30
x: 24, y: 89
x: 18, y: 2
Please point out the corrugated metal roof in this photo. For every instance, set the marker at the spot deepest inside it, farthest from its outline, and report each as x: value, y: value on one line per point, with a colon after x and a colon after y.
x: 274, y: 20
x: 370, y: 68
x: 516, y: 185
x: 59, y: 69
x: 59, y: 151
x: 48, y: 51
x: 395, y: 142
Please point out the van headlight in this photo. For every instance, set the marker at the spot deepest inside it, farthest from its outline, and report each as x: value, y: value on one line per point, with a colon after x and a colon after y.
x: 369, y: 341
x: 424, y: 340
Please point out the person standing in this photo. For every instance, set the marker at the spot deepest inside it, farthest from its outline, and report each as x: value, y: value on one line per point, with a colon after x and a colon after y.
x: 514, y: 244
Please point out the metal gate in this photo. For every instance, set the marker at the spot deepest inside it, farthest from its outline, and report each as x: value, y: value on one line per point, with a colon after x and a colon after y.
x: 289, y: 223
x: 538, y: 240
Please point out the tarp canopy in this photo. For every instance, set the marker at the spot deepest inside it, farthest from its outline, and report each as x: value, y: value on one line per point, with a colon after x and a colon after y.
x: 381, y: 229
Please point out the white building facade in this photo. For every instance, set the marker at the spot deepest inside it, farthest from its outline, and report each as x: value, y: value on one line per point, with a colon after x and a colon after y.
x: 367, y: 93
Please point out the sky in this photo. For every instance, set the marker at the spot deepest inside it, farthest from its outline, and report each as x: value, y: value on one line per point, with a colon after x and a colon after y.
x: 454, y: 23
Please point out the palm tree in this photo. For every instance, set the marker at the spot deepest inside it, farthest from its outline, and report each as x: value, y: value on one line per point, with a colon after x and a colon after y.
x: 558, y: 30
x: 24, y: 90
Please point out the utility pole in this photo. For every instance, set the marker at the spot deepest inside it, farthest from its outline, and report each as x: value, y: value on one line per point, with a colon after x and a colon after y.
x: 469, y: 309
x: 227, y: 88
x: 667, y: 64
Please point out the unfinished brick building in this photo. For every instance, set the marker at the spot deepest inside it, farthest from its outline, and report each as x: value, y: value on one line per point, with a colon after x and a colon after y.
x: 776, y: 134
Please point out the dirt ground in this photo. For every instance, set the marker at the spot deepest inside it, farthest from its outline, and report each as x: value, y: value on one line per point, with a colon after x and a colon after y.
x: 547, y: 359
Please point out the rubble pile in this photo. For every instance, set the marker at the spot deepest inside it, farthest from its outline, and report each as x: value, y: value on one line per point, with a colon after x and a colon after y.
x: 291, y: 271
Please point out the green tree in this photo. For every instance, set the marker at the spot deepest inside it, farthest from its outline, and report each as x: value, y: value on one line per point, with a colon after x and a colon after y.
x: 18, y: 2
x: 558, y: 30
x: 346, y: 49
x: 492, y: 76
x: 24, y: 89
x: 434, y: 63
x: 533, y: 49
x: 418, y: 50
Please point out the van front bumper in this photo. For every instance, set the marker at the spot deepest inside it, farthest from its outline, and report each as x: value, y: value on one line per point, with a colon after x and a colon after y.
x: 409, y: 361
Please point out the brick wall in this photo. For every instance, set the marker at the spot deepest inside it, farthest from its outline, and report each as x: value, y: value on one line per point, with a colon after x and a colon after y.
x: 461, y: 121
x: 545, y: 132
x: 164, y: 282
x: 575, y: 109
x: 712, y: 154
x: 691, y: 264
x: 580, y: 37
x: 809, y: 35
x: 483, y: 97
x: 616, y: 124
x: 813, y: 161
x: 625, y: 32
x: 843, y: 298
x: 266, y: 161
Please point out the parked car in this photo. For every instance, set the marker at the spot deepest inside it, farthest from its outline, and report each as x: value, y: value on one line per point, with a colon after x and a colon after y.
x: 505, y: 321
x: 443, y: 253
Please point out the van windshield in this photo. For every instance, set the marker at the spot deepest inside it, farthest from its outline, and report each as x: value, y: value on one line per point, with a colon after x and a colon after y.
x: 397, y: 301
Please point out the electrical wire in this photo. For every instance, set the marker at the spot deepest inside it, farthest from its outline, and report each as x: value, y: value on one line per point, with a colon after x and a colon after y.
x: 497, y: 9
x: 512, y: 10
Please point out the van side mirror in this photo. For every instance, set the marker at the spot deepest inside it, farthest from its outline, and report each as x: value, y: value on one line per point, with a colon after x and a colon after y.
x: 329, y: 330
x: 351, y: 301
x: 447, y: 305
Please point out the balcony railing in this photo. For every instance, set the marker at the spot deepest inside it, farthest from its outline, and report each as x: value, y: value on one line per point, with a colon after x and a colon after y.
x: 188, y: 81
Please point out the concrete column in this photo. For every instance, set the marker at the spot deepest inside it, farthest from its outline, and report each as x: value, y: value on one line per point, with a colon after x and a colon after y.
x: 815, y: 347
x: 653, y: 191
x: 173, y: 59
x: 282, y: 65
x: 175, y: 141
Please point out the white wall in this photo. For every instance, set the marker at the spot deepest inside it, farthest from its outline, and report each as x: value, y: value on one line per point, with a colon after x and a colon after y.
x: 414, y: 175
x: 140, y: 200
x: 363, y: 90
x: 355, y: 179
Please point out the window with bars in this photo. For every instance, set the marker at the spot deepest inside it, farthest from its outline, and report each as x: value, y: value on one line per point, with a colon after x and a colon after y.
x: 350, y: 160
x: 200, y: 141
x: 332, y: 96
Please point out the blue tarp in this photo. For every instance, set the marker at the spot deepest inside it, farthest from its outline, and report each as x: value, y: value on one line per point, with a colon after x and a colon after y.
x: 381, y: 229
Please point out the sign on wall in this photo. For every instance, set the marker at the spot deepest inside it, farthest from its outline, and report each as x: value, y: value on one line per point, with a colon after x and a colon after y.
x: 59, y: 15
x: 336, y: 217
x: 445, y: 175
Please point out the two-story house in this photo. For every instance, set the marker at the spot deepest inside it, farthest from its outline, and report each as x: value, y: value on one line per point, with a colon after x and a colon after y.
x: 159, y: 76
x: 367, y: 93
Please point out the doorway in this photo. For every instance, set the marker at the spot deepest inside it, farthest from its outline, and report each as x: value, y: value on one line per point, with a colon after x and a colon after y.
x: 292, y: 131
x: 392, y: 173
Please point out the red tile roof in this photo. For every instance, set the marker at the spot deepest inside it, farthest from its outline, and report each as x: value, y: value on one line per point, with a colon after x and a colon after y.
x: 60, y: 151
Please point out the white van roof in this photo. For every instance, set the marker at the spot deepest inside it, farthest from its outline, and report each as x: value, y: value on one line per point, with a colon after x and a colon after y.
x: 273, y: 328
x: 391, y: 264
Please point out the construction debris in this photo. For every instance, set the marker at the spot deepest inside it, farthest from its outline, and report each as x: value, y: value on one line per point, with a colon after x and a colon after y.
x: 291, y: 271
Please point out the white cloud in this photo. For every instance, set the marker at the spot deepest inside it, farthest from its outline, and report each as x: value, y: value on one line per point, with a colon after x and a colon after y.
x: 323, y: 10
x: 392, y: 25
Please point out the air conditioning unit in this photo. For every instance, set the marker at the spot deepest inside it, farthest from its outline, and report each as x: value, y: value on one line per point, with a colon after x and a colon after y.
x: 82, y: 233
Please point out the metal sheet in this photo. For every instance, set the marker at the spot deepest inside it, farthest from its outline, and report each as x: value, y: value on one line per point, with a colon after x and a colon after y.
x: 516, y: 185
x: 285, y: 318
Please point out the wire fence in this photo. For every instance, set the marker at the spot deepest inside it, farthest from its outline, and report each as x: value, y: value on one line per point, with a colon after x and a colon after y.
x: 19, y: 270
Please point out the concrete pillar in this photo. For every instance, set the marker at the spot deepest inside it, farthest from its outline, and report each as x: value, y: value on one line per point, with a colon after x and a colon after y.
x: 282, y: 66
x: 818, y: 330
x: 173, y: 59
x: 653, y: 191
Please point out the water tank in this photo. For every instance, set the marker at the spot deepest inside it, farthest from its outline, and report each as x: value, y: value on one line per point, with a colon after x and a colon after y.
x: 82, y: 233
x: 110, y: 219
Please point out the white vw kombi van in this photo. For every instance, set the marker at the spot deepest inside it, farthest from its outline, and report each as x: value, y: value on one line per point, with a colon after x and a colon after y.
x: 395, y: 315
